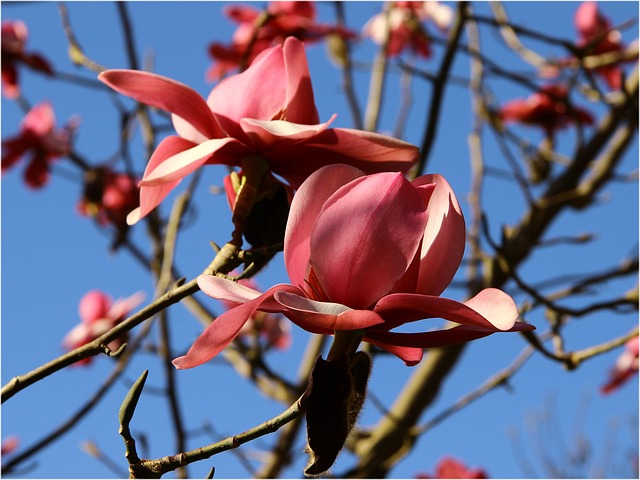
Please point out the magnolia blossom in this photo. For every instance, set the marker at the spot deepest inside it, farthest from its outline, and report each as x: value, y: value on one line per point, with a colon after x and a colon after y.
x: 597, y: 36
x: 366, y: 254
x: 41, y: 140
x: 546, y: 108
x: 450, y: 467
x: 273, y: 328
x: 108, y: 196
x: 401, y: 26
x: 14, y: 39
x: 258, y: 30
x: 625, y: 368
x: 265, y: 114
x: 99, y: 314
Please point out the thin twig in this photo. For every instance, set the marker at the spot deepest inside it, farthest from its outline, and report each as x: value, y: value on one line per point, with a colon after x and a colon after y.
x: 437, y: 92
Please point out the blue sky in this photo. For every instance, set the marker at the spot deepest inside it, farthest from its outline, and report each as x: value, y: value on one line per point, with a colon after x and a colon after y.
x: 51, y: 257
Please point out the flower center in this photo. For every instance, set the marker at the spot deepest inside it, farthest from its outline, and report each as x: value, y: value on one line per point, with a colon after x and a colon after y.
x: 314, y: 289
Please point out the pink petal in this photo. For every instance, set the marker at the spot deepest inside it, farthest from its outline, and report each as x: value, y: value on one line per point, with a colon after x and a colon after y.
x: 588, y: 21
x: 305, y: 207
x: 227, y: 290
x: 300, y: 106
x: 365, y: 238
x: 223, y: 289
x: 78, y: 336
x: 123, y: 306
x: 166, y: 94
x: 496, y: 306
x: 370, y: 152
x: 94, y: 305
x: 434, y: 339
x: 217, y: 336
x: 185, y: 162
x: 186, y: 130
x: 409, y: 355
x: 264, y: 134
x: 259, y: 92
x: 40, y: 120
x: 496, y: 310
x: 152, y: 195
x: 444, y: 237
x: 327, y: 315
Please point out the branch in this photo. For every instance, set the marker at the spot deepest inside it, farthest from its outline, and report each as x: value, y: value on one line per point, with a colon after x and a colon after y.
x: 437, y: 93
x: 18, y: 383
x: 144, y: 468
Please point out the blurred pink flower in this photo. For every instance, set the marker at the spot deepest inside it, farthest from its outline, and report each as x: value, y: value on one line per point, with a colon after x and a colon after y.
x: 284, y: 19
x: 99, y: 314
x: 268, y: 111
x: 109, y: 196
x: 624, y: 369
x: 597, y: 36
x: 40, y: 138
x: 450, y: 467
x: 14, y: 39
x: 366, y: 254
x: 273, y: 328
x: 9, y: 445
x: 546, y: 108
x: 405, y: 29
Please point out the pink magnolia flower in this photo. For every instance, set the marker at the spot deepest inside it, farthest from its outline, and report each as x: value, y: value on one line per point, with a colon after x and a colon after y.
x: 273, y: 328
x: 40, y: 138
x: 597, y: 36
x: 624, y: 369
x: 546, y: 108
x: 284, y: 19
x: 14, y: 39
x: 267, y: 113
x: 366, y: 254
x: 109, y: 196
x: 99, y: 314
x: 450, y: 467
x: 402, y: 26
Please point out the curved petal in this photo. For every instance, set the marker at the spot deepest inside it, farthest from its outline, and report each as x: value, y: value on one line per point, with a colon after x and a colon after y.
x: 436, y: 338
x: 123, y: 306
x: 224, y: 289
x: 300, y: 106
x: 368, y: 151
x: 365, y: 238
x: 94, y: 305
x: 327, y: 315
x: 496, y: 310
x: 444, y: 237
x: 186, y: 130
x: 78, y: 336
x: 228, y: 290
x: 185, y: 162
x: 152, y: 195
x: 264, y: 134
x: 166, y: 94
x: 13, y: 150
x: 217, y: 336
x: 40, y: 120
x: 496, y: 306
x: 259, y: 92
x: 409, y: 355
x: 305, y: 207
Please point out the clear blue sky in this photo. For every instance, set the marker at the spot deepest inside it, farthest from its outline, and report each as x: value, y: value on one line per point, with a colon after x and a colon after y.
x: 51, y: 257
